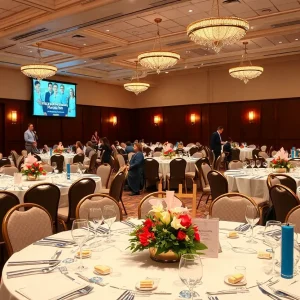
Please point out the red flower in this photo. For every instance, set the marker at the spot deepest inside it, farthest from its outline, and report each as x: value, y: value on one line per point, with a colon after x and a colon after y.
x: 197, y: 236
x: 148, y: 223
x: 181, y: 235
x: 145, y: 237
x: 186, y: 221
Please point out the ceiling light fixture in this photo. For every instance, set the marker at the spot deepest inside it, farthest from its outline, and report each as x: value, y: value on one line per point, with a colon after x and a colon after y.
x: 157, y: 59
x: 190, y: 10
x: 136, y: 86
x: 107, y: 30
x: 296, y: 39
x: 246, y: 70
x: 84, y: 44
x: 217, y: 32
x: 280, y: 42
x: 39, y: 70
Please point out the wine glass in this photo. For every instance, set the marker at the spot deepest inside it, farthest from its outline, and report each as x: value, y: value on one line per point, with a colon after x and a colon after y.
x: 80, y: 233
x: 109, y: 216
x: 252, y: 217
x: 272, y: 237
x: 190, y: 271
x: 95, y: 219
x: 252, y: 165
x: 54, y: 166
x: 258, y: 163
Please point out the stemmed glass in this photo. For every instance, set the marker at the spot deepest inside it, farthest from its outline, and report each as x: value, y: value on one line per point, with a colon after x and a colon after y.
x: 258, y: 163
x: 252, y: 217
x: 95, y: 219
x: 272, y: 237
x: 54, y: 166
x: 252, y: 165
x: 80, y: 233
x: 190, y: 271
x: 109, y: 216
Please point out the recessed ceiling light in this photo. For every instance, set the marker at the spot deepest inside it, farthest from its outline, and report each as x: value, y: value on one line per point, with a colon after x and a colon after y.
x: 85, y: 61
x: 252, y: 27
x: 185, y: 67
x: 167, y: 72
x: 296, y: 39
x: 107, y: 30
x: 84, y: 44
x: 280, y: 42
x: 30, y: 51
x: 190, y: 10
x: 205, y: 54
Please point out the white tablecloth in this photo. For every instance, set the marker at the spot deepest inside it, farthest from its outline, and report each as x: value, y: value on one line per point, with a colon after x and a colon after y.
x: 129, y: 268
x: 245, y: 153
x: 68, y: 158
x: 253, y: 185
x: 6, y: 182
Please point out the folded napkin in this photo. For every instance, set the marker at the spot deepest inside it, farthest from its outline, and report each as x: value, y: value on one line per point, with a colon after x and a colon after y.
x: 288, y: 286
x: 51, y: 289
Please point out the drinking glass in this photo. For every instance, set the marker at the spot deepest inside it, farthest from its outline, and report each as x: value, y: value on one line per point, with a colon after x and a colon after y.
x: 272, y: 237
x: 190, y: 271
x: 258, y: 163
x: 17, y: 180
x: 252, y: 217
x: 252, y: 165
x: 54, y: 166
x: 95, y: 219
x: 80, y: 233
x: 109, y: 216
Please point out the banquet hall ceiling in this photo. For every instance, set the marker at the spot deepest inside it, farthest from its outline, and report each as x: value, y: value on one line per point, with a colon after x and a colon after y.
x: 100, y: 39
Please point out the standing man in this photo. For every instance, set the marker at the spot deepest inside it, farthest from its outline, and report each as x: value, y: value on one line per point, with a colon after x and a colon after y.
x: 30, y: 138
x: 55, y: 97
x: 216, y: 142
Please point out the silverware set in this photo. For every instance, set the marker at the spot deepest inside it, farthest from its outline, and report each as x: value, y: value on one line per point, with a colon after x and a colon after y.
x: 242, y: 227
x: 130, y: 224
x: 79, y: 293
x: 33, y: 262
x: 127, y: 295
x: 57, y: 254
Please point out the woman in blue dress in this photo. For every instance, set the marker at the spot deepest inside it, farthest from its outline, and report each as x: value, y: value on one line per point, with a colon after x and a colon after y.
x: 72, y: 104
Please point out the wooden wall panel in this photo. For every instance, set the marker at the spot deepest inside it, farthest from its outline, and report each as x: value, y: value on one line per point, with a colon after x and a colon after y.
x: 218, y: 117
x: 91, y: 118
x: 234, y: 120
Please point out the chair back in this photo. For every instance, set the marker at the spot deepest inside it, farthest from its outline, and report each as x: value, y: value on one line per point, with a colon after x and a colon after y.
x: 46, y: 195
x: 37, y: 157
x: 283, y: 179
x: 255, y: 153
x: 252, y: 146
x: 235, y: 154
x: 155, y: 154
x: 218, y: 184
x: 96, y: 201
x: 293, y: 217
x: 21, y: 227
x: 5, y: 162
x: 295, y: 162
x: 220, y: 161
x: 7, y: 201
x: 78, y: 158
x: 14, y: 156
x: 59, y: 160
x: 193, y: 150
x: 145, y: 206
x: 9, y: 170
x: 92, y: 165
x: 104, y: 172
x: 231, y: 207
x: 235, y: 165
x: 91, y: 153
x: 117, y: 185
x: 177, y: 170
x: 121, y: 160
x: 20, y: 162
x: 151, y: 167
x: 78, y: 190
x: 47, y: 168
x: 205, y: 168
x: 283, y: 200
x: 273, y: 153
x: 197, y: 155
x: 263, y: 154
x: 263, y: 148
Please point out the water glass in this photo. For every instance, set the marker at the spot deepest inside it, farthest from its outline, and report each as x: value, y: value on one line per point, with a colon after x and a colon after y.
x: 190, y: 271
x: 240, y: 270
x: 54, y: 166
x: 258, y: 163
x: 109, y: 216
x: 252, y: 165
x: 252, y: 218
x: 95, y: 219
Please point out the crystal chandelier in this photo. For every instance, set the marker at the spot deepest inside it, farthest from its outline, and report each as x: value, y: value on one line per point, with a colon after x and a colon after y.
x: 217, y: 32
x: 136, y: 86
x: 39, y: 70
x: 246, y: 70
x: 157, y: 59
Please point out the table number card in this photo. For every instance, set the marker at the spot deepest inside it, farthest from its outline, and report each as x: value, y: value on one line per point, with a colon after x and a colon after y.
x: 209, y: 234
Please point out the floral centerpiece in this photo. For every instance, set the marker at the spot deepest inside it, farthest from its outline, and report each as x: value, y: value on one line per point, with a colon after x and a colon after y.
x: 59, y: 149
x: 167, y: 233
x: 169, y: 153
x: 32, y: 168
x: 281, y: 162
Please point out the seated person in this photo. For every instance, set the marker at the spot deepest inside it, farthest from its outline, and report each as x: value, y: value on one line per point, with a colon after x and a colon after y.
x: 123, y: 146
x: 129, y: 147
x: 45, y: 149
x: 60, y: 146
x: 34, y: 149
x: 79, y: 147
x: 227, y: 149
x: 117, y: 145
x: 89, y: 148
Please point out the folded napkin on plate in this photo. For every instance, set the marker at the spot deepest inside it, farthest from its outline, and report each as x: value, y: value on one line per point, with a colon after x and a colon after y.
x: 50, y: 289
x: 288, y: 286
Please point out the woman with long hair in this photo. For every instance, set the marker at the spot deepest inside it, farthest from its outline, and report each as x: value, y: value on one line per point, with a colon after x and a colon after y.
x: 79, y: 147
x: 105, y: 150
x: 95, y: 138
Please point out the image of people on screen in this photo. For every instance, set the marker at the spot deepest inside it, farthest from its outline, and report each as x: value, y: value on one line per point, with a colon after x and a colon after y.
x: 55, y: 97
x: 47, y: 97
x: 38, y: 98
x: 72, y: 103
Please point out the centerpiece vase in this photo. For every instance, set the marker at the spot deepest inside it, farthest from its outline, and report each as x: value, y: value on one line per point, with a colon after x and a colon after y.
x: 32, y: 177
x: 165, y: 257
x: 280, y: 170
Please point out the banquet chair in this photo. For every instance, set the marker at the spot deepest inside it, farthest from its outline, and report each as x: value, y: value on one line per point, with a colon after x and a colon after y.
x: 59, y: 160
x: 194, y: 175
x: 193, y: 150
x: 24, y: 153
x: 121, y: 160
x: 46, y: 195
x: 97, y: 201
x: 91, y: 153
x: 115, y: 164
x: 20, y: 162
x: 78, y: 158
x: 231, y: 207
x: 252, y: 146
x: 255, y: 153
x: 117, y: 186
x: 47, y: 168
x: 9, y: 170
x: 197, y: 155
x: 273, y: 153
x: 293, y: 217
x: 7, y: 201
x: 283, y: 179
x: 104, y: 172
x: 218, y: 184
x: 235, y: 165
x: 74, y: 168
x: 78, y: 190
x: 295, y: 162
x: 263, y: 154
x: 158, y: 149
x: 21, y: 228
x: 5, y: 162
x: 204, y: 188
x: 235, y: 154
x: 263, y: 148
x: 91, y: 167
x: 145, y: 206
x: 155, y: 154
x: 177, y: 173
x: 151, y: 172
x: 190, y: 145
x: 220, y: 162
x: 14, y: 156
x: 211, y: 156
x: 283, y: 200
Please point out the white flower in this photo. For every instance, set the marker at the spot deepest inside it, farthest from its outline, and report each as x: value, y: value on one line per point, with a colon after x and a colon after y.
x: 176, y: 223
x: 157, y: 208
x: 187, y: 238
x: 165, y: 217
x: 179, y: 210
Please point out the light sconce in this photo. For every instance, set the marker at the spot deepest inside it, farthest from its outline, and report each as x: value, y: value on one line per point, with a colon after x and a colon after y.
x: 14, y: 117
x: 114, y: 120
x: 156, y: 120
x: 251, y: 116
x: 193, y: 119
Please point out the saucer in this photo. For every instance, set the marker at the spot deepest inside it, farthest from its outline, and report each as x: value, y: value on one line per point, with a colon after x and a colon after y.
x: 241, y: 283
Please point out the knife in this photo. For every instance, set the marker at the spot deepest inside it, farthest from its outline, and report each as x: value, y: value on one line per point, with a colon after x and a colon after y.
x: 89, y: 280
x: 268, y: 293
x: 32, y: 262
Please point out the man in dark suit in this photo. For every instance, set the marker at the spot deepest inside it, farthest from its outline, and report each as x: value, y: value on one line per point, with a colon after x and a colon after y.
x: 47, y: 97
x: 216, y: 142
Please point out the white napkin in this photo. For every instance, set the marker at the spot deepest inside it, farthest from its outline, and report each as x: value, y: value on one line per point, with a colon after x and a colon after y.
x: 50, y: 289
x: 289, y: 287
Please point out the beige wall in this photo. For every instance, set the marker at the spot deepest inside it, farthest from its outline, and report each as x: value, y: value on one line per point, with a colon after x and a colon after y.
x: 280, y: 79
x: 14, y: 85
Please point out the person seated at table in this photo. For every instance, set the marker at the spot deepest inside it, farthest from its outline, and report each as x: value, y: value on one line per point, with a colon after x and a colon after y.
x: 117, y: 145
x: 135, y: 170
x: 89, y: 148
x: 180, y: 149
x: 79, y: 147
x: 45, y: 149
x: 34, y: 149
x: 123, y: 145
x: 95, y: 138
x: 60, y: 146
x: 129, y: 147
x: 106, y: 150
x: 227, y: 149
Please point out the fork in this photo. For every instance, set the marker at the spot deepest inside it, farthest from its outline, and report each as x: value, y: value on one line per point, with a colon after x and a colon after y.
x: 63, y: 270
x: 82, y: 292
x: 31, y: 271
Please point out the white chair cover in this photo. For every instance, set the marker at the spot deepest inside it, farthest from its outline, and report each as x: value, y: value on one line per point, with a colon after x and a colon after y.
x: 157, y: 154
x: 103, y: 172
x: 263, y: 148
x: 121, y: 160
x: 130, y: 155
x: 9, y: 170
x: 252, y: 146
x: 234, y: 165
x: 294, y: 218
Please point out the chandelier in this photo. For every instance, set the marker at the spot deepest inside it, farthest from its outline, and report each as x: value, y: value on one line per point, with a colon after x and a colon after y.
x: 136, y: 87
x: 217, y: 32
x: 246, y: 71
x: 39, y: 70
x: 157, y: 59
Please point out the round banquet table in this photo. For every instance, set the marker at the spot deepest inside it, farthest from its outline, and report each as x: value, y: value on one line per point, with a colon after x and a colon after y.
x: 245, y: 153
x: 253, y: 184
x: 7, y: 184
x: 130, y: 268
x: 68, y: 158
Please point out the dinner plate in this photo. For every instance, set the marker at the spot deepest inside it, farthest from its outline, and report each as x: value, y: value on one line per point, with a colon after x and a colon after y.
x: 155, y: 285
x: 241, y: 283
